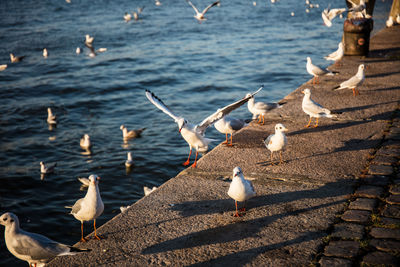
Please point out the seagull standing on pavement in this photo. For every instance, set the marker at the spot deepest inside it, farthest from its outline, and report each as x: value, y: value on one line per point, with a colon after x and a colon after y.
x: 200, y: 15
x: 34, y: 248
x: 337, y: 55
x: 353, y: 82
x: 229, y: 125
x: 316, y: 71
x: 313, y: 109
x: 277, y: 142
x: 194, y: 135
x: 240, y: 189
x: 90, y: 207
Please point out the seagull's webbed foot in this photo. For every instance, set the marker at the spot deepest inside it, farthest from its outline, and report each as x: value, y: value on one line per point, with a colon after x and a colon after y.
x: 98, y: 237
x: 83, y: 240
x: 186, y: 163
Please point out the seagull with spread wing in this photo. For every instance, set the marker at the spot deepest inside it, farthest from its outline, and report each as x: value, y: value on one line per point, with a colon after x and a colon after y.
x: 194, y: 135
x: 200, y: 15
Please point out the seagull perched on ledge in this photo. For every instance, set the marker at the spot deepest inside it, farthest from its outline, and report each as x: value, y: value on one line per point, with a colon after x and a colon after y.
x: 277, y: 142
x: 316, y: 71
x: 353, y: 82
x: 313, y: 109
x: 34, y: 248
x: 337, y: 55
x: 194, y: 135
x: 240, y: 189
x: 229, y: 125
x: 200, y: 16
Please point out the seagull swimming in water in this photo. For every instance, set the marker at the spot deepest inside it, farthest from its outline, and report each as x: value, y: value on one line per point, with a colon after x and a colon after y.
x: 15, y: 59
x: 45, y: 53
x: 47, y: 168
x: 90, y: 207
x: 194, y: 135
x: 277, y: 142
x: 353, y: 82
x: 85, y: 142
x: 34, y: 248
x: 200, y: 15
x: 129, y: 161
x: 240, y: 189
x: 51, y: 118
x: 130, y: 134
x: 313, y: 109
x: 3, y: 67
x: 88, y: 39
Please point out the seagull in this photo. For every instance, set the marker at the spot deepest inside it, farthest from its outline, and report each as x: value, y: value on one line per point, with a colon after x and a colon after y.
x: 124, y: 208
x: 130, y: 134
x: 316, y: 71
x: 158, y: 3
x: 34, y: 248
x: 51, y: 118
x: 229, y: 125
x: 85, y: 142
x: 15, y: 59
x: 88, y: 39
x: 90, y: 207
x: 260, y: 108
x: 47, y: 169
x: 277, y: 142
x: 3, y: 67
x: 337, y: 55
x: 398, y: 18
x: 148, y: 191
x: 45, y: 53
x: 136, y: 14
x: 200, y: 16
x: 313, y: 109
x: 78, y: 50
x: 329, y: 14
x: 358, y: 8
x: 194, y: 135
x: 240, y: 189
x: 127, y: 17
x: 129, y: 161
x: 353, y: 82
x: 85, y: 181
x: 389, y: 22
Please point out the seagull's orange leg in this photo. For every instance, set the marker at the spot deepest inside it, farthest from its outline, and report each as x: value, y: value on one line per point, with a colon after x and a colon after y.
x: 309, y: 122
x: 226, y: 139
x: 357, y: 92
x: 263, y: 119
x: 259, y: 118
x: 82, y: 238
x: 317, y: 80
x: 231, y: 144
x: 237, y: 213
x: 95, y: 233
x: 354, y: 92
x: 195, y: 160
x: 244, y: 207
x: 316, y: 123
x: 280, y: 155
x: 272, y: 162
x: 188, y: 159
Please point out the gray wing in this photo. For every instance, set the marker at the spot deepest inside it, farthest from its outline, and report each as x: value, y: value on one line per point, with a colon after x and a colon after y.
x: 77, y: 206
x: 38, y: 247
x: 210, y: 6
x: 266, y: 106
x: 315, y: 108
x: 222, y: 112
x: 159, y: 104
x: 195, y: 9
x: 317, y: 70
x: 350, y: 83
x: 236, y: 124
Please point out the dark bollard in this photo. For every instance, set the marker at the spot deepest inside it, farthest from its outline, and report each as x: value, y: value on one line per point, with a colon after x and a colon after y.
x: 356, y: 36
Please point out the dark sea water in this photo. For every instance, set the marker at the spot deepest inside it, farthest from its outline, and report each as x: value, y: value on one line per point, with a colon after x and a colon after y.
x: 195, y: 68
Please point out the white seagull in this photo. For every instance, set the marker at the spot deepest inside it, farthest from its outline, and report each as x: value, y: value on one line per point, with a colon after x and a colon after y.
x: 34, y: 248
x: 313, y: 109
x: 229, y: 125
x: 127, y: 17
x: 194, y: 134
x: 51, y: 118
x: 358, y: 8
x: 147, y: 191
x: 129, y: 161
x: 260, y: 109
x: 78, y: 50
x: 200, y: 16
x: 240, y: 189
x: 90, y: 207
x: 130, y: 134
x: 45, y: 52
x: 88, y: 39
x: 158, y: 3
x: 337, y: 55
x: 3, y: 67
x: 353, y: 82
x: 277, y: 142
x: 46, y: 169
x: 85, y: 142
x: 329, y: 14
x: 15, y: 59
x: 316, y: 71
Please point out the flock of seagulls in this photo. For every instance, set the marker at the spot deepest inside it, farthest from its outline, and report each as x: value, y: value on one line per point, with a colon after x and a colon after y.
x: 357, y: 11
x: 37, y: 249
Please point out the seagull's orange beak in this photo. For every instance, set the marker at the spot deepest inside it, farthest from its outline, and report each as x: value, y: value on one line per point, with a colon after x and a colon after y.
x: 302, y: 92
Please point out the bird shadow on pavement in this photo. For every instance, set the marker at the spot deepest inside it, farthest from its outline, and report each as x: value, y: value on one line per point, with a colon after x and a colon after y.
x: 384, y: 74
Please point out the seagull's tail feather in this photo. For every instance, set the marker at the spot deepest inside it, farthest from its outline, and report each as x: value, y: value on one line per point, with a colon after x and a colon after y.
x: 281, y: 103
x: 337, y: 88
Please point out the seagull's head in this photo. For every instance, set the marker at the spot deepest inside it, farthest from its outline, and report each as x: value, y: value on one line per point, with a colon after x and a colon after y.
x: 306, y: 91
x: 361, y: 67
x: 280, y: 128
x: 181, y: 123
x: 8, y: 219
x: 121, y: 127
x: 86, y: 136
x: 237, y: 171
x: 41, y: 163
x: 308, y: 59
x: 94, y: 179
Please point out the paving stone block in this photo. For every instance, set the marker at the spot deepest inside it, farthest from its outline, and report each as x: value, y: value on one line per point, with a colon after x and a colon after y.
x: 384, y: 160
x: 390, y: 151
x: 369, y: 191
x: 363, y: 204
x: 392, y: 211
x: 334, y: 262
x: 345, y: 249
x: 391, y: 222
x: 377, y: 180
x: 386, y: 245
x: 380, y: 258
x: 393, y: 199
x: 380, y: 169
x: 348, y: 231
x: 378, y: 232
x: 360, y: 216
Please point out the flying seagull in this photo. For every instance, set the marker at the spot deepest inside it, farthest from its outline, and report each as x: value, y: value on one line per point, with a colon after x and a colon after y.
x: 200, y: 15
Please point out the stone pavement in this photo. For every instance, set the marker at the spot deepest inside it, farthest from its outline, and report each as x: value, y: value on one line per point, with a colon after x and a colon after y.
x: 334, y: 201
